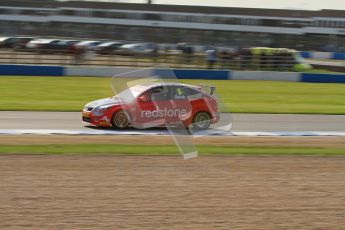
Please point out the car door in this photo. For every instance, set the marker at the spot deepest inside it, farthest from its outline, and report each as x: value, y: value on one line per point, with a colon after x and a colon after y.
x: 152, y: 106
x: 180, y: 102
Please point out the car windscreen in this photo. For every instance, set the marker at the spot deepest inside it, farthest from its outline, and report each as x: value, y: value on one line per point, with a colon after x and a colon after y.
x: 132, y: 92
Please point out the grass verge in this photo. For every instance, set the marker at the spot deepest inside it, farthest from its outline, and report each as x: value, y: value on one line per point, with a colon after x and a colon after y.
x: 161, y: 150
x: 71, y: 94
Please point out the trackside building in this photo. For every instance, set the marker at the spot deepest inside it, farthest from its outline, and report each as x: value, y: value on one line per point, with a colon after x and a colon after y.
x: 322, y: 30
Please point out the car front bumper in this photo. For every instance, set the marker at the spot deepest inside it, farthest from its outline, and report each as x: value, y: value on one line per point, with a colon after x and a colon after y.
x: 101, y: 121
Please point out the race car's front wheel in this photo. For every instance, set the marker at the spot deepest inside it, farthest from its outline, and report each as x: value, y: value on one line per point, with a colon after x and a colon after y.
x: 120, y: 120
x: 201, y: 121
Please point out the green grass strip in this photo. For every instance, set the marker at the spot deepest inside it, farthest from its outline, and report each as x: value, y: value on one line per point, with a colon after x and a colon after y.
x: 72, y: 93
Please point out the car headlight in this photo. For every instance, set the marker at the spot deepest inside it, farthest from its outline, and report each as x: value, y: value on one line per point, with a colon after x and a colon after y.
x: 100, y: 110
x: 87, y: 109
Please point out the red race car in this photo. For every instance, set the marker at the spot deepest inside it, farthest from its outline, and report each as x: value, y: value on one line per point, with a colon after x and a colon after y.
x: 152, y: 105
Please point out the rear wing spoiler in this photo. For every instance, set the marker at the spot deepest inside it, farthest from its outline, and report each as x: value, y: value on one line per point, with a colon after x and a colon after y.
x: 208, y: 88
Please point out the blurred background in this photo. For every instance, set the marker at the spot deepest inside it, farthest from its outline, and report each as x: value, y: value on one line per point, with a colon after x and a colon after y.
x: 120, y: 33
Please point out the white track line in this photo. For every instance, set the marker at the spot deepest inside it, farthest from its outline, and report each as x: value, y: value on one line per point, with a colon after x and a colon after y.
x: 160, y: 132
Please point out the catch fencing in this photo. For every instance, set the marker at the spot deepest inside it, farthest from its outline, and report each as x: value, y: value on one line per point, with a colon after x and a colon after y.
x: 126, y: 59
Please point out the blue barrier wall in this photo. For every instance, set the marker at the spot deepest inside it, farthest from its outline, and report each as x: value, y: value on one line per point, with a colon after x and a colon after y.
x: 193, y: 74
x: 323, y: 55
x: 339, y: 56
x: 305, y: 54
x: 202, y: 74
x: 31, y: 70
x: 322, y: 78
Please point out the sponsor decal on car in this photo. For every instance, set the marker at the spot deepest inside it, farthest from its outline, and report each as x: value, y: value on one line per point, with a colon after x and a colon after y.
x: 163, y: 113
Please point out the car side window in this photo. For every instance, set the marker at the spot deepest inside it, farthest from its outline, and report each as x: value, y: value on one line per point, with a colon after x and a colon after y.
x: 159, y: 94
x: 178, y: 92
x: 192, y: 93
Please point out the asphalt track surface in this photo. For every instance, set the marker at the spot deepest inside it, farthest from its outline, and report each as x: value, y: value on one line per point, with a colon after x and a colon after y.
x: 241, y: 122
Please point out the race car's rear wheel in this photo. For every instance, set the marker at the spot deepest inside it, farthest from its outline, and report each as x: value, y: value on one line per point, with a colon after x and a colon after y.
x: 201, y: 121
x: 120, y: 120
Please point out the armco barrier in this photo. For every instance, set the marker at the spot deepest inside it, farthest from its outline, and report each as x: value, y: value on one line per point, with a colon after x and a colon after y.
x: 31, y: 70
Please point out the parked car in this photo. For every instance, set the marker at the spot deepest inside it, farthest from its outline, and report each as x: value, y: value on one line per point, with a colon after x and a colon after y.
x: 108, y: 47
x: 14, y: 42
x: 20, y: 42
x: 40, y: 44
x: 88, y: 45
x: 5, y: 41
x: 61, y: 45
x: 138, y: 48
